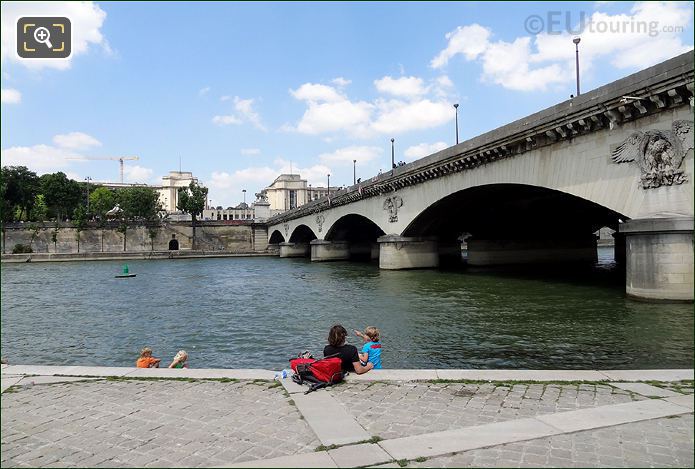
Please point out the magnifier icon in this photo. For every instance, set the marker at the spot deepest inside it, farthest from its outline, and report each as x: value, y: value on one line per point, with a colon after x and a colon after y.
x: 43, y: 35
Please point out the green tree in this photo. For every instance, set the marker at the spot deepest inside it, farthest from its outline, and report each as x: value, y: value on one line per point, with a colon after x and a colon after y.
x: 101, y: 200
x: 192, y: 200
x: 54, y: 236
x: 40, y: 210
x: 20, y: 189
x: 139, y: 203
x: 123, y: 229
x: 34, y: 228
x: 79, y: 222
x: 62, y: 195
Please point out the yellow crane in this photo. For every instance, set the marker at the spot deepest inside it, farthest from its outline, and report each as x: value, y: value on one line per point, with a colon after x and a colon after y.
x: 120, y: 159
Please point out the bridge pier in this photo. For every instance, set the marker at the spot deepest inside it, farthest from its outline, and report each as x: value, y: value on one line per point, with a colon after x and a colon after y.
x: 322, y: 250
x: 659, y: 258
x: 294, y: 249
x: 506, y: 252
x: 399, y: 252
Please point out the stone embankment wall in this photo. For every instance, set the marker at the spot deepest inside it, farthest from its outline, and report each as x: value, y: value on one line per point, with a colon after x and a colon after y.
x: 229, y: 238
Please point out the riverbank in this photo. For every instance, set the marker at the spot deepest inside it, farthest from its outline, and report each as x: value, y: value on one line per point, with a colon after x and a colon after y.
x: 128, y: 417
x: 132, y: 255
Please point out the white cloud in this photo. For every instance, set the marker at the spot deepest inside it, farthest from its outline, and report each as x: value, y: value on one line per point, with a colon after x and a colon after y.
x: 408, y: 87
x: 39, y: 158
x: 226, y: 120
x: 225, y: 98
x: 204, y: 91
x: 647, y: 35
x: 346, y: 155
x: 329, y: 111
x: 136, y: 174
x: 245, y: 108
x: 11, y: 96
x: 445, y: 82
x: 250, y: 151
x: 315, y: 93
x: 340, y: 81
x: 86, y: 18
x: 470, y: 41
x: 76, y: 141
x: 336, y: 116
x: 398, y: 116
x: 418, y: 151
x: 244, y: 113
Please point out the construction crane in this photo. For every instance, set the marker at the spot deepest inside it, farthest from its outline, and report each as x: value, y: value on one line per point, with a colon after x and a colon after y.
x: 120, y: 159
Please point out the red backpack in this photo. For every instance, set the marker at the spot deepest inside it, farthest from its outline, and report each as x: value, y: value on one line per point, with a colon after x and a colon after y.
x: 317, y: 373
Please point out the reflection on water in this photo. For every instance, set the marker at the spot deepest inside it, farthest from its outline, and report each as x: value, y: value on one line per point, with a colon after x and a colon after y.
x: 258, y: 312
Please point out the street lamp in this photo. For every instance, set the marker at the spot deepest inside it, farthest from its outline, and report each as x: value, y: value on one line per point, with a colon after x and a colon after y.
x: 329, y: 185
x: 576, y: 51
x: 456, y: 107
x: 354, y: 172
x: 393, y: 158
x: 89, y: 180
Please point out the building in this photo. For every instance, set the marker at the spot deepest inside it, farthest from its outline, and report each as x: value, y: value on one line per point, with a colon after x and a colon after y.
x: 290, y: 191
x: 168, y: 191
x: 243, y: 211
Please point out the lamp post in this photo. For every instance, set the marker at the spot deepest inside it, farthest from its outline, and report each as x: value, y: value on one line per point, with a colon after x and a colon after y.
x: 456, y: 108
x: 89, y: 180
x: 354, y: 172
x: 329, y: 185
x: 576, y: 51
x: 393, y: 157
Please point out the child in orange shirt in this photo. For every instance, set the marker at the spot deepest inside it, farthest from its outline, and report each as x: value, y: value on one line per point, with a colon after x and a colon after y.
x: 146, y: 359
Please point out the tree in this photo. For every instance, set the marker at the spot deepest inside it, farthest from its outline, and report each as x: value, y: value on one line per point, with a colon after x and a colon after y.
x: 54, y: 236
x: 62, y: 195
x: 122, y: 228
x: 101, y: 200
x: 34, y: 228
x: 21, y: 188
x: 79, y: 222
x: 139, y: 203
x: 39, y: 211
x: 152, y: 233
x: 192, y: 200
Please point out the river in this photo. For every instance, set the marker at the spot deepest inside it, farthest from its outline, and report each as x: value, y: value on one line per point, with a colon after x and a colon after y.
x: 258, y: 312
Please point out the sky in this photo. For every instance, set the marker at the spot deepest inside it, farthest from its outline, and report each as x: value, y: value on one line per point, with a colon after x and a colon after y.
x: 239, y: 93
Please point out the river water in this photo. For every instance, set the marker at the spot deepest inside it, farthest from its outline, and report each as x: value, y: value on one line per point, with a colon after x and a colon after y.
x: 258, y: 312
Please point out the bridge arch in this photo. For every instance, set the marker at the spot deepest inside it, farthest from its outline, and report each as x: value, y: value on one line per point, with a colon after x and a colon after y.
x: 353, y: 228
x: 276, y: 237
x: 302, y: 234
x: 491, y: 209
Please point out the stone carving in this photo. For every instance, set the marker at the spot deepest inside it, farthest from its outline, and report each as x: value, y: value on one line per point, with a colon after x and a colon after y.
x: 659, y: 153
x: 319, y: 221
x: 286, y: 226
x: 262, y: 196
x: 392, y: 204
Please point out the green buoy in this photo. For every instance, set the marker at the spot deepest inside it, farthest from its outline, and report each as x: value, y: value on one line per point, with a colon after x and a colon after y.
x: 126, y: 273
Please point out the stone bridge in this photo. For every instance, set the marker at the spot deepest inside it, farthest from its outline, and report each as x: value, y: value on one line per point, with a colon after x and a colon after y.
x: 534, y: 191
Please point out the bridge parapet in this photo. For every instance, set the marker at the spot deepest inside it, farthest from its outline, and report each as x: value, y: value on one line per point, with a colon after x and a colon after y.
x: 657, y: 89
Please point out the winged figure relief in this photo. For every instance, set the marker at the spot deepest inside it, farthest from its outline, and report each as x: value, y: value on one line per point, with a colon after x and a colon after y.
x: 658, y: 153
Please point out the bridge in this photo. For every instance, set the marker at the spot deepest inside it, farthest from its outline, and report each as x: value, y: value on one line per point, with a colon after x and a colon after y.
x: 534, y: 191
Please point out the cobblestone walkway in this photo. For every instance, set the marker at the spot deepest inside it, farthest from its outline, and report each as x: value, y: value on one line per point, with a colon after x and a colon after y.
x: 664, y: 442
x: 391, y: 410
x: 200, y: 423
x: 149, y: 423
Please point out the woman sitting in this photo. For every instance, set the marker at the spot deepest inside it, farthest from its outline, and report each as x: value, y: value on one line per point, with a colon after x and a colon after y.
x: 347, y: 353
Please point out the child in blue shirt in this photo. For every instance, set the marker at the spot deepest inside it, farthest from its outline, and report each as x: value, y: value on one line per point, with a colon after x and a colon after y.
x: 371, y: 350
